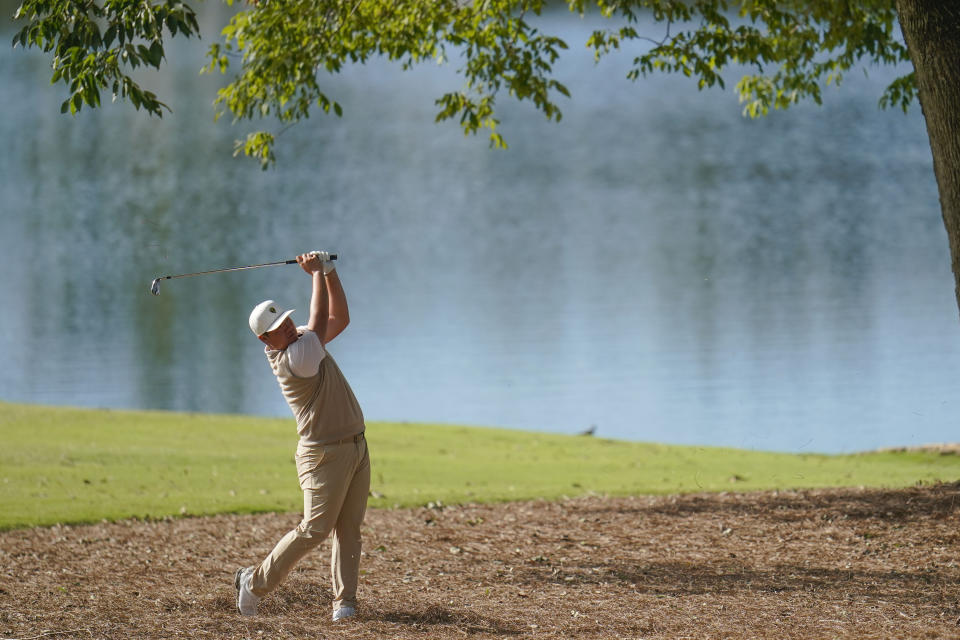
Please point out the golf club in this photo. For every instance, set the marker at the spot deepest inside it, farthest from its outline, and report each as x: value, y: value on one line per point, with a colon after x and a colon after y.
x: 155, y: 286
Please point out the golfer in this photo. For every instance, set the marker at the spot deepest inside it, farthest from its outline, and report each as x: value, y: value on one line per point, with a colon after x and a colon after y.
x: 332, y: 460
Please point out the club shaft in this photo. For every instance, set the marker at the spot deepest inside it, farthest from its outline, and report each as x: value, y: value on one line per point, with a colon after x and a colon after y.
x: 333, y: 256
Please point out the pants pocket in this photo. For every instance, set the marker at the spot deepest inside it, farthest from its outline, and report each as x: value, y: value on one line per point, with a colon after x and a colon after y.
x: 308, y: 463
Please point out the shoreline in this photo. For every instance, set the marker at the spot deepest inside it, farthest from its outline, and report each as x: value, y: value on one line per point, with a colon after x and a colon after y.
x: 943, y: 448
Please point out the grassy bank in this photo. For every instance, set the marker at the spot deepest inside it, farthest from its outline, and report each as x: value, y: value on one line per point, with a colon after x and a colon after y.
x: 70, y: 465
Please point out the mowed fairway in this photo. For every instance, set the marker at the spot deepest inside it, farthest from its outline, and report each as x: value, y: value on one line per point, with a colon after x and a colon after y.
x: 62, y: 465
x: 480, y: 533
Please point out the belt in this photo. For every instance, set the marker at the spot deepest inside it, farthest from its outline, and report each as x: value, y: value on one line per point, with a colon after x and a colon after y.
x: 356, y: 438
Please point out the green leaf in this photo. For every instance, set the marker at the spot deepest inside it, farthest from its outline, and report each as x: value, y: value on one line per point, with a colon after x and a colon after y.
x: 156, y: 54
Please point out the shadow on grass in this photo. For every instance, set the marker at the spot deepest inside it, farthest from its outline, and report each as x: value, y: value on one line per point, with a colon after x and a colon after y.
x: 680, y: 579
x: 873, y: 525
x: 435, y: 615
x: 300, y: 594
x: 939, y: 500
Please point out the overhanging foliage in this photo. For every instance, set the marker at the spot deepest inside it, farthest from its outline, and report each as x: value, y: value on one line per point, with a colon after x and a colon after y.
x: 790, y: 49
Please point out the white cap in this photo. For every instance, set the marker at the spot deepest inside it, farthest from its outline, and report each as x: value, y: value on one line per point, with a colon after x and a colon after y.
x: 267, y: 316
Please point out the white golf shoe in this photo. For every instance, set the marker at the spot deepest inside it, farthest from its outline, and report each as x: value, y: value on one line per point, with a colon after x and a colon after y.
x: 246, y: 601
x: 343, y: 613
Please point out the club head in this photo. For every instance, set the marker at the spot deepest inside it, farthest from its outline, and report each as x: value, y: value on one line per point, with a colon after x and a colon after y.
x: 155, y: 287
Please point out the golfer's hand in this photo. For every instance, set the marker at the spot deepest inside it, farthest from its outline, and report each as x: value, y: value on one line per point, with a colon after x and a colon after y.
x: 324, y: 256
x: 311, y: 262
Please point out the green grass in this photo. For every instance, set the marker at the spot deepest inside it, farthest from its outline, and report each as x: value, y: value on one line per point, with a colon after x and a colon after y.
x: 76, y: 465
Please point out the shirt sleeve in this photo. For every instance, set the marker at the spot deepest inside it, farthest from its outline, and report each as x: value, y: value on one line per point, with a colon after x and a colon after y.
x: 305, y: 354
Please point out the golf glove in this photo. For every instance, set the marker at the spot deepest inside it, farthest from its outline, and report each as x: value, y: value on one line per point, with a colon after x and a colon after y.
x: 328, y: 264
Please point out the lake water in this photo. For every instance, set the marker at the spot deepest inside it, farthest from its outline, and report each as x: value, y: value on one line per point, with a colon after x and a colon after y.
x: 654, y: 265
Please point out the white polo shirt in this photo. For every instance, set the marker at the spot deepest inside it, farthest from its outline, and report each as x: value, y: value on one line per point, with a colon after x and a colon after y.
x: 305, y: 354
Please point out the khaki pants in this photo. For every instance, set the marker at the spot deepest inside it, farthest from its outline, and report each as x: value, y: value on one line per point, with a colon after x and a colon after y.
x: 335, y: 480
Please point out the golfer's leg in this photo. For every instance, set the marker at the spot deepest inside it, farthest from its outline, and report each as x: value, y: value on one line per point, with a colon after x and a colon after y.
x: 320, y: 508
x: 346, y: 544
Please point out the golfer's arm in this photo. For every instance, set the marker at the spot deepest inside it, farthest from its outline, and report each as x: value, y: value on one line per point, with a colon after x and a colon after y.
x: 319, y: 305
x: 339, y: 314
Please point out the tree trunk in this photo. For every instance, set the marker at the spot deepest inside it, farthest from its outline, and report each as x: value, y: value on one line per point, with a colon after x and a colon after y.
x: 931, y: 29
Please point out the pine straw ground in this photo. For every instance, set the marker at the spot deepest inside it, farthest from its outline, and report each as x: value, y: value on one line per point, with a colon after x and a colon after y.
x: 808, y: 564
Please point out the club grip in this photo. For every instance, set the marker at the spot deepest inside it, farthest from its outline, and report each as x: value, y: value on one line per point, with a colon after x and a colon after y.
x: 333, y: 256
